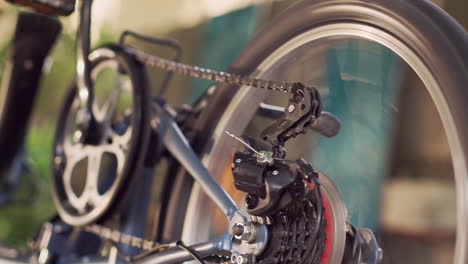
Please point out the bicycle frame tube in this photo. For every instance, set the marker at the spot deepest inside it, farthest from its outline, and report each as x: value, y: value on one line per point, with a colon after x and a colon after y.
x: 83, y: 41
x: 176, y: 143
x: 222, y: 244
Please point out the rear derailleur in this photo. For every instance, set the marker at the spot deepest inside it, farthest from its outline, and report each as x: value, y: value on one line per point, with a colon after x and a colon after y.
x: 289, y: 198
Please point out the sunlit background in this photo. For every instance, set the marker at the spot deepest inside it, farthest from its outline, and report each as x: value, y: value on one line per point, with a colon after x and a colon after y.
x: 212, y: 33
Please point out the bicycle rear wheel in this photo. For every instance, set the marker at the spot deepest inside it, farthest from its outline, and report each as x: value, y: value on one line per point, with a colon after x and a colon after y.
x: 334, y: 45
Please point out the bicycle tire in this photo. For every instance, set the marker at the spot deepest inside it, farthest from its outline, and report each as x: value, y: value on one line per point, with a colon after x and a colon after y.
x: 420, y: 26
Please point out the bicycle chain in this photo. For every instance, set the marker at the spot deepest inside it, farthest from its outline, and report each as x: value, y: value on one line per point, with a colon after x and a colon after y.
x: 217, y: 76
x: 196, y: 72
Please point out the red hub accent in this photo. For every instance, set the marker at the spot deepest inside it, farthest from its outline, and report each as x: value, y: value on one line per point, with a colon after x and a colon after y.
x: 327, y: 216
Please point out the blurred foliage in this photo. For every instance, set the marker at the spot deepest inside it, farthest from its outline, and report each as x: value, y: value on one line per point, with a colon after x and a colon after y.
x: 19, y: 220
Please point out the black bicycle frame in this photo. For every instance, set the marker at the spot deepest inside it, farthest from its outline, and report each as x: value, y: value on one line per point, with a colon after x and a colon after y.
x: 34, y: 37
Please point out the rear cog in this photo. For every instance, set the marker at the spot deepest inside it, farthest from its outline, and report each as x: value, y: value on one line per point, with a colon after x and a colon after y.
x: 292, y: 240
x: 292, y: 230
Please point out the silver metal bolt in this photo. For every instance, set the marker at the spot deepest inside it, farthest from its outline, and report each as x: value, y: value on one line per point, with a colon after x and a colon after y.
x: 291, y: 108
x: 238, y: 160
x: 242, y: 260
x: 77, y: 136
x: 275, y: 172
x: 238, y: 229
x: 246, y: 232
x: 265, y: 157
x: 234, y: 256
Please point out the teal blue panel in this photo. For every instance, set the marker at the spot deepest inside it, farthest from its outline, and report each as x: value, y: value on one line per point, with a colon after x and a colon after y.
x: 363, y: 88
x: 223, y: 39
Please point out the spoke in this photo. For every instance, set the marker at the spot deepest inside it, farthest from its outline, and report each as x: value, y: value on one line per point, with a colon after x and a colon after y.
x: 94, y: 198
x: 90, y: 194
x: 119, y: 155
x: 67, y: 179
x: 94, y: 163
x: 108, y: 109
x: 75, y: 153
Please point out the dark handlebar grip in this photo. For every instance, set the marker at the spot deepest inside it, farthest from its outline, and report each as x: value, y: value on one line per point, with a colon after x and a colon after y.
x: 327, y: 125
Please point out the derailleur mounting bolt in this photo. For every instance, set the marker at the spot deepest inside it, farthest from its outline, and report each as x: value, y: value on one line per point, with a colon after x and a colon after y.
x: 265, y: 157
x: 237, y: 258
x: 233, y: 258
x: 242, y: 260
x: 77, y: 136
x: 238, y: 229
x: 251, y: 201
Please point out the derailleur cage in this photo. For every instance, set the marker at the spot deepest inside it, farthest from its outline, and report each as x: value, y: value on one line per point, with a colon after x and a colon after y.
x: 303, y: 108
x: 272, y: 183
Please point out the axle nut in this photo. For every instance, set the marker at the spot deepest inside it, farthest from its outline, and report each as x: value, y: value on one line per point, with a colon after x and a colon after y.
x: 242, y: 260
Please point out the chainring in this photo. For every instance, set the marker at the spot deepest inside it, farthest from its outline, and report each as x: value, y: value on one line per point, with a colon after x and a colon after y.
x: 88, y: 176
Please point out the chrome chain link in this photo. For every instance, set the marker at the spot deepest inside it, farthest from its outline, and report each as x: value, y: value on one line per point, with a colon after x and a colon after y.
x: 208, y: 74
x: 119, y: 237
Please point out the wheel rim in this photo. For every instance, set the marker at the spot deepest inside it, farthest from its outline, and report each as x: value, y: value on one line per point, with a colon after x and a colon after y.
x: 237, y: 116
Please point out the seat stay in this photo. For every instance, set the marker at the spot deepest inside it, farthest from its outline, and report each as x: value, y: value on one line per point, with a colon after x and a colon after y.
x: 179, y: 147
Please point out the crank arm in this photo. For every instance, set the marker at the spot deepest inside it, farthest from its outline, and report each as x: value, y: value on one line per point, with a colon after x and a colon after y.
x: 176, y: 143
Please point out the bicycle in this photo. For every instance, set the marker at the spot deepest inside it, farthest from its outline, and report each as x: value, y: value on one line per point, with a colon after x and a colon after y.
x: 293, y: 213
